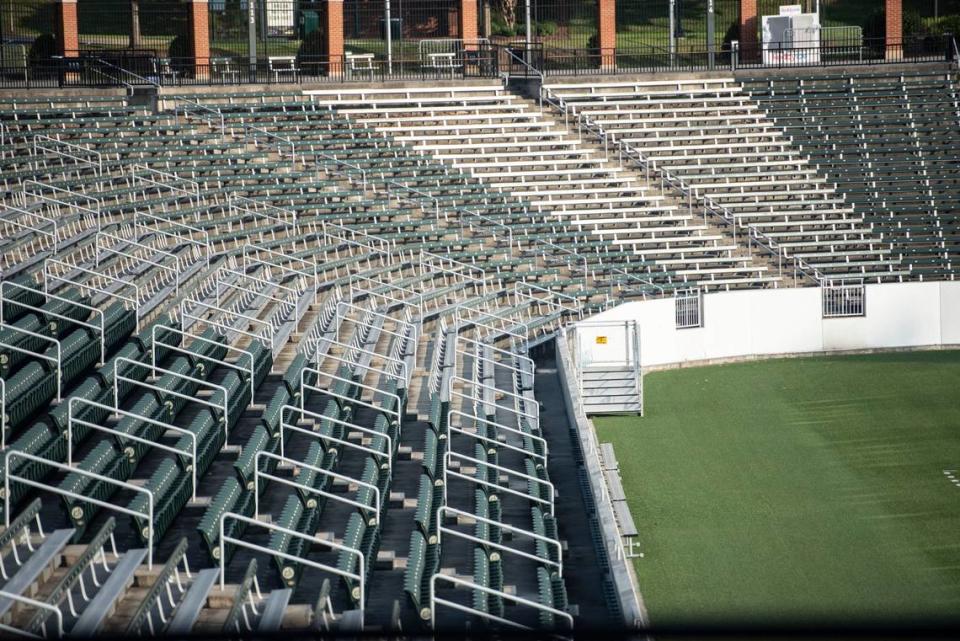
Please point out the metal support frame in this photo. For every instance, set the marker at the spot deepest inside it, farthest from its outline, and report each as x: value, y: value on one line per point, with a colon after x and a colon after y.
x: 352, y: 288
x: 40, y: 605
x: 94, y: 311
x: 71, y: 419
x: 138, y: 174
x: 512, y: 354
x: 250, y: 136
x: 402, y: 378
x: 241, y: 205
x: 58, y: 361
x: 48, y: 144
x: 493, y: 332
x: 340, y: 317
x: 575, y: 308
x: 290, y: 301
x: 388, y: 455
x: 39, y: 188
x: 359, y: 576
x: 187, y: 107
x: 45, y: 220
x: 478, y: 401
x: 432, y: 264
x: 375, y: 244
x: 10, y: 475
x: 517, y: 398
x: 178, y: 237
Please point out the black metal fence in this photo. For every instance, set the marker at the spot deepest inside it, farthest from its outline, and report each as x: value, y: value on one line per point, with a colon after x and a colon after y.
x: 651, y: 58
x: 100, y: 68
x: 159, y: 27
x: 134, y: 68
x: 22, y: 21
x: 150, y: 38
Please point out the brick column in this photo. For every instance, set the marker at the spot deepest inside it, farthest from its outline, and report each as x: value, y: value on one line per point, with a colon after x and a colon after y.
x: 749, y: 24
x: 200, y: 35
x: 333, y: 36
x: 467, y: 24
x: 607, y: 33
x: 894, y: 29
x: 68, y: 39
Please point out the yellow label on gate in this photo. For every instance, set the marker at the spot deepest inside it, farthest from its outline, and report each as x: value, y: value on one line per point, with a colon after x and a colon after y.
x: 601, y: 340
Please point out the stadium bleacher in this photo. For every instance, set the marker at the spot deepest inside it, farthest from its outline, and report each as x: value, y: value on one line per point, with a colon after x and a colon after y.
x: 267, y: 356
x: 888, y: 142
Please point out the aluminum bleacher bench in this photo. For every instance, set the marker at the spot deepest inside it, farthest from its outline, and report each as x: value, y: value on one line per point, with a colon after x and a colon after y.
x: 112, y: 591
x: 224, y: 69
x: 283, y: 66
x: 360, y: 62
x: 443, y: 62
x: 273, y: 610
x: 34, y: 566
x: 607, y: 457
x: 194, y: 601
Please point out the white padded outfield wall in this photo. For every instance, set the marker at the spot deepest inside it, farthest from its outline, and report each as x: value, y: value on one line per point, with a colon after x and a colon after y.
x: 756, y: 323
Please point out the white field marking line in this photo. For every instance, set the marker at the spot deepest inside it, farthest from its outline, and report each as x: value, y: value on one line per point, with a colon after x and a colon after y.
x: 952, y: 477
x: 845, y: 400
x: 901, y: 515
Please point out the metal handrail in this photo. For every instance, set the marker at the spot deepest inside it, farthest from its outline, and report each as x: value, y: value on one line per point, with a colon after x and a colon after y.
x: 499, y: 426
x: 359, y: 576
x: 119, y: 377
x: 435, y: 600
x: 348, y: 399
x: 40, y: 605
x: 71, y: 419
x: 449, y: 455
x: 220, y: 362
x: 257, y: 473
x: 79, y: 497
x: 388, y: 455
x: 444, y: 510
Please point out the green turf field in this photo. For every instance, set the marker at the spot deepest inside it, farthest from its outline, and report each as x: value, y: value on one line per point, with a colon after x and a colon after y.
x: 795, y: 489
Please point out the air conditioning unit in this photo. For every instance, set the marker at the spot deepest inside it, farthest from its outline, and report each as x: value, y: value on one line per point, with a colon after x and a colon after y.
x: 792, y: 37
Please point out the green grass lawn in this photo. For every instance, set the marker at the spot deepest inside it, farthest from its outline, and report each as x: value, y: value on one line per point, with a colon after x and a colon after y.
x: 797, y: 489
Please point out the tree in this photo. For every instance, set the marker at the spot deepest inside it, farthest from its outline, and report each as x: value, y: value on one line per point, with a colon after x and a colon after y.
x: 508, y: 9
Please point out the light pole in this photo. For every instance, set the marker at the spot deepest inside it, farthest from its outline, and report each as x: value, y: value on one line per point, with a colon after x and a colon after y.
x: 711, y: 33
x: 389, y: 35
x: 673, y: 31
x: 528, y: 36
